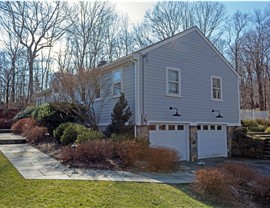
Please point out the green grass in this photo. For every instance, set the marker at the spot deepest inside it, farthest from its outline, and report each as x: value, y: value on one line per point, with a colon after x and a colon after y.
x: 15, y: 191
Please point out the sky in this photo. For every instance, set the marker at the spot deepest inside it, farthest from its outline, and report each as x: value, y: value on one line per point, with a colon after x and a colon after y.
x: 136, y: 8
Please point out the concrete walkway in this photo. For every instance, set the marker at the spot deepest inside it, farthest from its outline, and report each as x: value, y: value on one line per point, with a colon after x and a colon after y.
x: 33, y: 164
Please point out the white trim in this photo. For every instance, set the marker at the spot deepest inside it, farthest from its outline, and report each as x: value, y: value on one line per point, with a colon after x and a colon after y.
x: 221, y: 88
x: 239, y: 107
x: 190, y: 123
x: 179, y: 82
x: 136, y: 68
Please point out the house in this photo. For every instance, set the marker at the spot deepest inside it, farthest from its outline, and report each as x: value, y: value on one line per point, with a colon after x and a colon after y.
x: 182, y: 92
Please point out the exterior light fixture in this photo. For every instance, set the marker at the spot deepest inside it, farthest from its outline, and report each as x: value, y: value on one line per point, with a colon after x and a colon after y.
x: 176, y: 111
x: 218, y: 116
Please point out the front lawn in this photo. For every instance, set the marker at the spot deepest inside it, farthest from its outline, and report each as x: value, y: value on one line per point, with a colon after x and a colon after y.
x: 18, y: 192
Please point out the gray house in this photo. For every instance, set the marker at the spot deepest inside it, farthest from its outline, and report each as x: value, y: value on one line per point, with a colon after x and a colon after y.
x: 183, y: 94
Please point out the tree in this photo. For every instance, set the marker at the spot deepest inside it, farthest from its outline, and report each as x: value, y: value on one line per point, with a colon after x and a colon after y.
x: 171, y: 17
x: 37, y: 25
x: 120, y: 117
x: 87, y: 90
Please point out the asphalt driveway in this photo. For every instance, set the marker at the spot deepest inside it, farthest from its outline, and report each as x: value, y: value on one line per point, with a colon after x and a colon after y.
x: 262, y: 166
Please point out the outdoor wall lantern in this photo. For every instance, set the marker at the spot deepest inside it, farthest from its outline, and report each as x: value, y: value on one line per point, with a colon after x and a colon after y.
x: 218, y: 116
x: 176, y: 111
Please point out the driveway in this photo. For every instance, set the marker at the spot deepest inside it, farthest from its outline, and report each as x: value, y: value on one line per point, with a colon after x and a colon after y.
x: 262, y: 166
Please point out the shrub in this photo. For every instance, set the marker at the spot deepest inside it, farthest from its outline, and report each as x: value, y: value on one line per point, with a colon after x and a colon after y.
x: 71, y: 133
x: 95, y: 151
x: 162, y: 159
x: 26, y: 113
x: 238, y: 174
x: 267, y: 130
x: 120, y: 117
x: 89, y: 135
x: 211, y: 182
x: 58, y: 132
x: 36, y: 134
x: 51, y: 115
x: 261, y: 191
x: 28, y: 125
x: 23, y: 125
x: 5, y: 123
x: 129, y: 152
x: 258, y: 125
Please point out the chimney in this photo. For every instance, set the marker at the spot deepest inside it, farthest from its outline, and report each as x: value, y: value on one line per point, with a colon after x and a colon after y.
x: 101, y: 63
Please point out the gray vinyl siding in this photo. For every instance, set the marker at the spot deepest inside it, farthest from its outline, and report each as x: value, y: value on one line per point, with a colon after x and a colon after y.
x: 128, y: 85
x: 198, y: 62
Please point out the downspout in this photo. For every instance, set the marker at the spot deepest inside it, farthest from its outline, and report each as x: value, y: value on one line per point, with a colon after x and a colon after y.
x: 135, y: 60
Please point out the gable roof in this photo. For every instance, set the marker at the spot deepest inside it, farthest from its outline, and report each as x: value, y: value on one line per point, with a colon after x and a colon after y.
x: 166, y: 41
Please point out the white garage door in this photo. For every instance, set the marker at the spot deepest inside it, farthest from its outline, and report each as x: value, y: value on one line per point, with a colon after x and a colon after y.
x: 212, y: 141
x: 172, y: 136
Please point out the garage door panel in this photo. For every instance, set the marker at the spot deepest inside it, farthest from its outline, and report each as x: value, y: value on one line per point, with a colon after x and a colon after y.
x: 172, y: 139
x: 212, y: 143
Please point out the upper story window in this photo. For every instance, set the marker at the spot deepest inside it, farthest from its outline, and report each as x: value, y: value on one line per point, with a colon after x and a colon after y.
x: 117, y: 83
x: 216, y: 83
x: 173, y: 84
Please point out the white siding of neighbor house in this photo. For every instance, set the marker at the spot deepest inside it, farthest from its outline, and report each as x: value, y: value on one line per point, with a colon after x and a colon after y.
x: 128, y: 87
x: 197, y: 62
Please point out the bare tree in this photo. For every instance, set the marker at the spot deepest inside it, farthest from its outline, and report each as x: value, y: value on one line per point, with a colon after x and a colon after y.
x: 171, y: 17
x: 37, y: 25
x: 88, y: 90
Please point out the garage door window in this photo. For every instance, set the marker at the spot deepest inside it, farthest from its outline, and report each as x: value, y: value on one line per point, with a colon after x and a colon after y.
x: 171, y: 127
x: 205, y: 127
x: 162, y: 127
x: 152, y: 127
x: 180, y: 127
x: 213, y: 127
x: 219, y: 127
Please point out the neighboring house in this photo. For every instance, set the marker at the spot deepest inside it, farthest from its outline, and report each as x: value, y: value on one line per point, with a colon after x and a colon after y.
x: 187, y: 73
x: 42, y: 97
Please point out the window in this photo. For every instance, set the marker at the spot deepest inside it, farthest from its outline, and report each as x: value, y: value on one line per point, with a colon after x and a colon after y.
x: 162, y: 127
x: 199, y: 127
x: 171, y: 127
x: 216, y: 88
x: 213, y: 127
x: 180, y: 127
x: 117, y: 83
x: 205, y: 127
x: 152, y: 127
x: 173, y: 81
x: 219, y: 128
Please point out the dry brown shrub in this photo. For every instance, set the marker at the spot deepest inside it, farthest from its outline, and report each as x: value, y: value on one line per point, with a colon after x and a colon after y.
x: 94, y: 151
x: 211, y: 181
x: 130, y: 152
x: 35, y: 134
x: 23, y: 125
x: 67, y: 154
x: 161, y: 159
x: 261, y: 191
x: 238, y: 174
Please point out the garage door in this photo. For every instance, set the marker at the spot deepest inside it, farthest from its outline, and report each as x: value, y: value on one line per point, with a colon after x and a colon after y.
x: 171, y: 135
x: 212, y: 141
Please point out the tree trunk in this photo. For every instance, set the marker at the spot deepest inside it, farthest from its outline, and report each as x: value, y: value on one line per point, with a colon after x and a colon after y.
x: 31, y: 80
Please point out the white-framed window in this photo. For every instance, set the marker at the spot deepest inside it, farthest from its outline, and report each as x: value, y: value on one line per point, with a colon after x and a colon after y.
x: 216, y: 88
x: 117, y: 83
x: 173, y: 82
